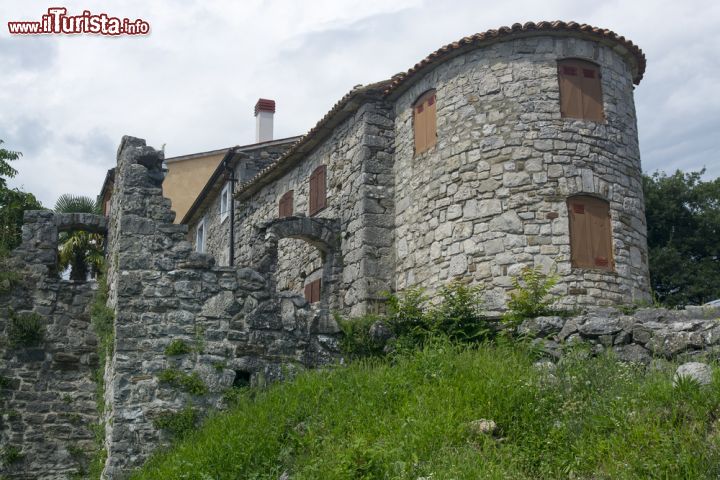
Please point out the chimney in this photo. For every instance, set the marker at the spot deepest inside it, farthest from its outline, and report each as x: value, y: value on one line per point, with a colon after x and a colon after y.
x: 264, y: 112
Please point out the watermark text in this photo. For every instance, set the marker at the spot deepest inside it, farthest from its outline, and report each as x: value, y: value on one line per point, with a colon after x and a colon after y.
x: 57, y: 21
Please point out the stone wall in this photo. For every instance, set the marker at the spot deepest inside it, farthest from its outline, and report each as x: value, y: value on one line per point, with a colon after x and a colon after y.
x: 635, y: 337
x: 163, y: 291
x: 491, y: 196
x: 47, y: 392
x: 358, y: 156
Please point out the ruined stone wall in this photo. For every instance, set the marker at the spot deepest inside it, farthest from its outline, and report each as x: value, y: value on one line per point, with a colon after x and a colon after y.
x: 163, y: 291
x: 491, y: 196
x: 358, y: 156
x: 638, y: 337
x: 47, y: 390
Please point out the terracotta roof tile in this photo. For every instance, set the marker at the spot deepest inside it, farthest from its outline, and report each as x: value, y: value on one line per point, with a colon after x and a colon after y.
x: 518, y: 29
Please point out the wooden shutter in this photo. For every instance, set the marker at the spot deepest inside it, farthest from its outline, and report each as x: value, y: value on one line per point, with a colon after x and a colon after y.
x: 580, y: 90
x: 318, y: 190
x: 430, y: 122
x: 312, y: 291
x: 425, y: 122
x: 569, y: 76
x: 590, y: 233
x: 286, y: 204
x: 592, y: 93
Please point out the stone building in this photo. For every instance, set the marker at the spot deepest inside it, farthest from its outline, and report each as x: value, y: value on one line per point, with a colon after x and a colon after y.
x: 508, y: 148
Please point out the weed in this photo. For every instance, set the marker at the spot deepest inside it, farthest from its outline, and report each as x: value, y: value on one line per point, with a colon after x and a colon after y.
x: 177, y: 347
x: 179, y: 424
x: 531, y: 296
x: 459, y: 314
x: 102, y: 319
x: 25, y: 329
x: 76, y: 451
x: 191, y: 383
x: 356, y: 341
x: 10, y: 454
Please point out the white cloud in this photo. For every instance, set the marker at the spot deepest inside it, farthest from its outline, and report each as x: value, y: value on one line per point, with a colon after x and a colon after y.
x: 66, y: 101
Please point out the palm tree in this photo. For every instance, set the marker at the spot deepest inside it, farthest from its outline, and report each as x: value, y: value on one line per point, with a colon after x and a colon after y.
x: 79, y: 250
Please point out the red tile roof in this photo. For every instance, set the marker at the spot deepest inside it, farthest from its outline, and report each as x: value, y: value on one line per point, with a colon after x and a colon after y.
x: 400, y: 82
x: 523, y: 30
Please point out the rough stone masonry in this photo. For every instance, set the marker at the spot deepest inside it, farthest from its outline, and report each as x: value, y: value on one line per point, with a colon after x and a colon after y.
x: 236, y: 328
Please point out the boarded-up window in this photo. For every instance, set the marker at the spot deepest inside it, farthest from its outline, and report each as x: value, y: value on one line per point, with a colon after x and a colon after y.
x: 590, y: 233
x: 312, y: 291
x: 318, y: 192
x: 286, y: 204
x: 580, y: 90
x: 425, y: 122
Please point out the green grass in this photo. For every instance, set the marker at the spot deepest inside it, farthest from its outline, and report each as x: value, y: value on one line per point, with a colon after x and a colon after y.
x: 408, y: 417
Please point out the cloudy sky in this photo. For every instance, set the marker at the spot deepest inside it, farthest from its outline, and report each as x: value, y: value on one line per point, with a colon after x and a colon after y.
x: 65, y: 101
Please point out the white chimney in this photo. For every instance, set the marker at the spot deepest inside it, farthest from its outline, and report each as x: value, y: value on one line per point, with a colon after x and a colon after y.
x: 264, y: 112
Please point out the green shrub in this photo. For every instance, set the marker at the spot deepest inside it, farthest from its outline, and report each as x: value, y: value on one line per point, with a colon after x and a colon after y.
x: 191, y: 383
x: 10, y: 454
x: 531, y: 297
x: 179, y: 424
x: 177, y: 347
x: 459, y: 314
x: 406, y: 315
x: 456, y: 316
x: 25, y: 329
x: 356, y: 341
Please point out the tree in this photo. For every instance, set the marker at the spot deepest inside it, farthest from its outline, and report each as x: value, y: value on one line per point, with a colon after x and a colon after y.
x: 683, y: 217
x: 79, y: 250
x: 13, y: 203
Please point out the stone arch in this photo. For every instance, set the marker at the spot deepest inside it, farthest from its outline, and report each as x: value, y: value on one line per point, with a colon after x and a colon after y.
x: 41, y: 229
x: 322, y: 233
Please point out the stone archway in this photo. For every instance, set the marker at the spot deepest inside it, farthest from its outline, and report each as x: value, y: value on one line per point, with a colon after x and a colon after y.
x: 322, y: 233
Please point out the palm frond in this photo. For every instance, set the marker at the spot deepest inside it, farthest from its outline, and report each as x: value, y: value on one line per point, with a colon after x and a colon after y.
x: 68, y: 203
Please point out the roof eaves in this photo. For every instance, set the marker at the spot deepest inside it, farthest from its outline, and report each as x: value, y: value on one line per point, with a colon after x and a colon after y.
x: 625, y: 47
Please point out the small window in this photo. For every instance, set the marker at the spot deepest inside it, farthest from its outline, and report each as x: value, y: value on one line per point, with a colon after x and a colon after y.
x: 590, y: 233
x: 312, y: 291
x: 200, y: 237
x: 285, y: 205
x: 225, y: 200
x: 580, y: 90
x: 425, y: 122
x: 318, y: 192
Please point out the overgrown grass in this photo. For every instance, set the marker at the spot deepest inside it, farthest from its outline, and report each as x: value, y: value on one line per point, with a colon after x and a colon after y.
x: 408, y: 417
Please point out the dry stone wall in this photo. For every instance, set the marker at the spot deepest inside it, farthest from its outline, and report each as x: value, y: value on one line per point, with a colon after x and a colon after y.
x: 638, y: 337
x: 491, y: 196
x: 47, y: 389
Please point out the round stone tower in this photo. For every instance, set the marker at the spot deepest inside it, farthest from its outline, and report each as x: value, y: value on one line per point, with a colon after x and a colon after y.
x: 518, y: 147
